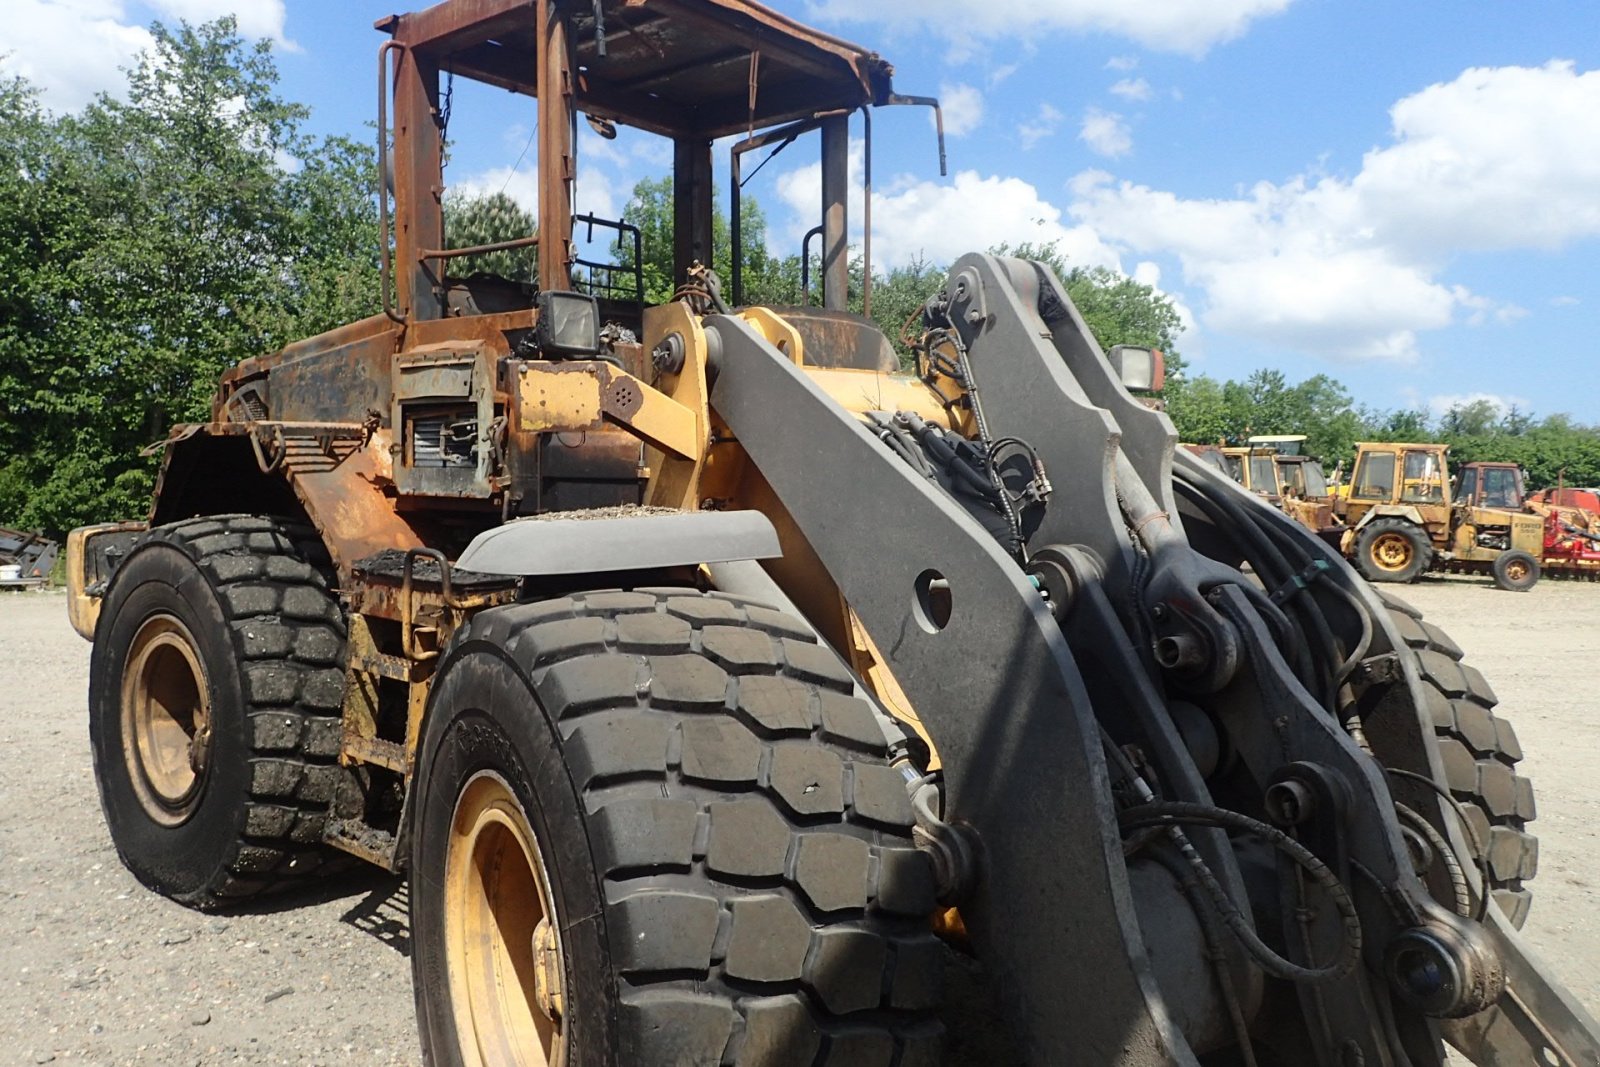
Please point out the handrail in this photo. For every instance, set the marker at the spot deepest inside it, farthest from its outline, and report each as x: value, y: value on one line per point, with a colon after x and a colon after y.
x: 805, y: 265
x: 625, y: 229
x: 477, y: 250
x: 386, y: 282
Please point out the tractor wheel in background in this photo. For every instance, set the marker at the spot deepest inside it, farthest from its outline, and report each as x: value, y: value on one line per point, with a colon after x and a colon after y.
x: 215, y: 692
x: 1392, y: 550
x: 1515, y: 571
x: 1480, y: 754
x: 655, y: 827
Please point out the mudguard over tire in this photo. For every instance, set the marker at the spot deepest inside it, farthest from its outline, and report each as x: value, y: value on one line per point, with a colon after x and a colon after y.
x: 215, y: 688
x: 1480, y: 753
x: 725, y: 850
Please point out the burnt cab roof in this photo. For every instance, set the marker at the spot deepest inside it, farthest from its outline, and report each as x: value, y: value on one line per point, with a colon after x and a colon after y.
x: 681, y: 68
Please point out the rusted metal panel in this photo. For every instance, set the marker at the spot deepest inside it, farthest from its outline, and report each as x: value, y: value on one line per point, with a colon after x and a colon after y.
x: 418, y: 152
x: 350, y: 509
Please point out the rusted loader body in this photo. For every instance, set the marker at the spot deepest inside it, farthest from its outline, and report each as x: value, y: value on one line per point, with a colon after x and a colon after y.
x: 718, y: 691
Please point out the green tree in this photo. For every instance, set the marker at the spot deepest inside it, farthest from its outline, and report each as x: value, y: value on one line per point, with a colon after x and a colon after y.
x: 650, y: 209
x: 470, y: 221
x: 150, y: 243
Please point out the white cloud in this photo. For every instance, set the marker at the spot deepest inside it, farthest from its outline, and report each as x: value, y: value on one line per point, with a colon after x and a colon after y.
x: 256, y: 18
x: 73, y: 49
x: 1505, y: 157
x: 972, y: 212
x: 1122, y: 63
x: 962, y: 106
x: 1131, y: 89
x: 1497, y: 159
x: 1044, y: 124
x: 1105, y: 133
x: 1183, y: 26
x: 1564, y: 301
x: 938, y: 221
x: 521, y: 185
x: 1444, y: 402
x: 1002, y: 72
x: 597, y: 192
x: 70, y: 51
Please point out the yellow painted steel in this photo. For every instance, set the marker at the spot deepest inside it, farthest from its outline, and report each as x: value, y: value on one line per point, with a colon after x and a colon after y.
x: 503, y: 957
x: 865, y: 390
x: 675, y: 480
x: 555, y: 397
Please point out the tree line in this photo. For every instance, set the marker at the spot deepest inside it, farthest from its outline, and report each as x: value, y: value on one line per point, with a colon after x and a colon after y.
x: 1552, y: 449
x: 150, y: 242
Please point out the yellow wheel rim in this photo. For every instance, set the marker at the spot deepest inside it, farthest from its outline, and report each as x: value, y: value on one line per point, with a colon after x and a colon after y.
x: 166, y: 719
x: 502, y: 941
x: 1392, y: 551
x: 1516, y: 570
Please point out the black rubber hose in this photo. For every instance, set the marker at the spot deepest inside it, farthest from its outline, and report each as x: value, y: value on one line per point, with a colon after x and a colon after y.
x: 1175, y: 814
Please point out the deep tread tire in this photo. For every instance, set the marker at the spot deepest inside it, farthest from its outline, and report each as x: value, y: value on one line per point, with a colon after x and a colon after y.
x: 1515, y: 571
x: 731, y: 855
x: 1480, y: 755
x: 1366, y: 547
x: 256, y: 595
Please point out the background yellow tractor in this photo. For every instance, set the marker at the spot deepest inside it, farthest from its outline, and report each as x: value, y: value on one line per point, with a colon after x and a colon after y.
x: 1402, y: 520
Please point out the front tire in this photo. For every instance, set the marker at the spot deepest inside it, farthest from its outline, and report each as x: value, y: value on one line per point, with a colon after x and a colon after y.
x: 1515, y: 571
x: 1392, y: 550
x: 1480, y: 753
x: 695, y: 852
x: 215, y: 689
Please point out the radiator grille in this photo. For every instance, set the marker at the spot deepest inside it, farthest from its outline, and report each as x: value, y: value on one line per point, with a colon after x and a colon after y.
x: 443, y: 440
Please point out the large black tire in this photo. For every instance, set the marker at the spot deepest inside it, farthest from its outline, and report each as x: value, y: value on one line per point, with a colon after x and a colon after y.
x: 727, y: 852
x: 245, y: 603
x: 1515, y: 571
x: 1480, y: 755
x: 1392, y: 550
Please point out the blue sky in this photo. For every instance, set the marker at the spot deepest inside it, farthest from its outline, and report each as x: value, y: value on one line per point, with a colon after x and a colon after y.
x: 1403, y: 196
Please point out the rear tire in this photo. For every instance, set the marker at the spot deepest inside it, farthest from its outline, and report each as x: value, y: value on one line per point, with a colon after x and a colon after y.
x: 1480, y: 753
x: 725, y: 853
x: 215, y: 692
x: 1392, y: 550
x: 1515, y: 571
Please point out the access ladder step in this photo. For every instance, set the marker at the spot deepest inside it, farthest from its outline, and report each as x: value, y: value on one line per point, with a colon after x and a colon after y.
x: 389, y: 755
x: 359, y: 839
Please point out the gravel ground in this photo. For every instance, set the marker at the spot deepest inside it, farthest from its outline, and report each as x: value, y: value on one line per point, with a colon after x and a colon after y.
x: 97, y: 970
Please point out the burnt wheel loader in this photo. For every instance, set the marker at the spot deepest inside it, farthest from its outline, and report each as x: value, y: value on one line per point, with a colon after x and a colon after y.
x: 720, y: 691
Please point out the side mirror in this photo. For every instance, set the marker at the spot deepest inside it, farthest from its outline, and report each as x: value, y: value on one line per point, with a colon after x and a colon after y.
x: 1142, y: 370
x: 568, y: 325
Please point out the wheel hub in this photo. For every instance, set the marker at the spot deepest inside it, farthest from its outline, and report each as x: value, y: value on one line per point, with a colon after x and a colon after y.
x: 166, y: 719
x: 502, y: 942
x: 1392, y: 551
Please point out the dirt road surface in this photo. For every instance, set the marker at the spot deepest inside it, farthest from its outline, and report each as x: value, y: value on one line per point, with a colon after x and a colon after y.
x: 94, y: 969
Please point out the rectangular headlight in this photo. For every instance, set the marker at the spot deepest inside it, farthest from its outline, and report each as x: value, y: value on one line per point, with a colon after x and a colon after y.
x: 569, y: 325
x: 1141, y: 370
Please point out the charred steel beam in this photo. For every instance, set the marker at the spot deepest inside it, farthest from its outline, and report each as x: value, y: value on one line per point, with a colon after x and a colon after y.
x: 776, y: 43
x: 419, y: 221
x: 691, y: 220
x: 446, y: 26
x: 557, y: 163
x: 835, y: 213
